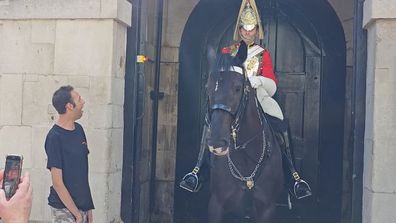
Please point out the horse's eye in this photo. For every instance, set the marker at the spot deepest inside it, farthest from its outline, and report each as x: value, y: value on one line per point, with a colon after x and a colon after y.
x: 238, y: 88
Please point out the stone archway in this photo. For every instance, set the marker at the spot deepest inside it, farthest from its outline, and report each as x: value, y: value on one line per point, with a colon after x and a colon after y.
x: 314, y: 81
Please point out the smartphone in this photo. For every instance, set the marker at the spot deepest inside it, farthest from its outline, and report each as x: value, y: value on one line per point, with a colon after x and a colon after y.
x: 12, y: 174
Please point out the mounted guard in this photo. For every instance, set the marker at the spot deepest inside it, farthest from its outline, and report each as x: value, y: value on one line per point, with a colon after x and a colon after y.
x: 259, y: 70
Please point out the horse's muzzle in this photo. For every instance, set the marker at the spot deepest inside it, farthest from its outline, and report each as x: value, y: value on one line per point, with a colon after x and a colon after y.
x: 219, y: 151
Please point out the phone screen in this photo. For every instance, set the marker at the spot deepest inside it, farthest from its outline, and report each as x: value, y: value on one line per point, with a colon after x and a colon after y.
x: 12, y: 174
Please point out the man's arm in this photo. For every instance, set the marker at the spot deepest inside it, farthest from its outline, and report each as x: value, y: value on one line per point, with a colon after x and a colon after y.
x: 266, y: 76
x: 63, y: 193
x: 17, y: 209
x: 90, y: 216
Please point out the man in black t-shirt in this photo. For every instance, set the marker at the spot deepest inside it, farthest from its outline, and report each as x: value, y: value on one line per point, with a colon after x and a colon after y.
x: 66, y: 146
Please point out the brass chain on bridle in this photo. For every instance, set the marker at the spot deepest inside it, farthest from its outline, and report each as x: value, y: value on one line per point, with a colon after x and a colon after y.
x: 234, y: 170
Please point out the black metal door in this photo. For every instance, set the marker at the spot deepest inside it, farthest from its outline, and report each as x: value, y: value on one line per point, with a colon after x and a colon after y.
x: 300, y: 61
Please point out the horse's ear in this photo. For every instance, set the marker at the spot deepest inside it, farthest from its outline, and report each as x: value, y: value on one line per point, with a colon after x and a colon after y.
x: 241, y: 56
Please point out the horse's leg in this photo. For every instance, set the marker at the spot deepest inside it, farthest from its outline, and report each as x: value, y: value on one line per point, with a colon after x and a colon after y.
x: 268, y: 215
x: 215, y: 210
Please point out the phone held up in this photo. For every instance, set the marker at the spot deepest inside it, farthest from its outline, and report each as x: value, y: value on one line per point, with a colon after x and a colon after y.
x: 12, y: 174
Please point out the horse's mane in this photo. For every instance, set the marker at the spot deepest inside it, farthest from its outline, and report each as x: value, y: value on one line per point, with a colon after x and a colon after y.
x: 224, y: 62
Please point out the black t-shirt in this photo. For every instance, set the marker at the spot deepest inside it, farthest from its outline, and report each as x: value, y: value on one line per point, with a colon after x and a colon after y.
x: 68, y: 150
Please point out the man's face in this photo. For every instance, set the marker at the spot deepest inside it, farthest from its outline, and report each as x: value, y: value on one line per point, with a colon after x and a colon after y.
x: 78, y: 104
x: 248, y: 36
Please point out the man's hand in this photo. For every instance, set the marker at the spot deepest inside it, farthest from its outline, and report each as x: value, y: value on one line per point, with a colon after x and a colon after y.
x: 255, y: 81
x: 63, y: 193
x: 90, y: 216
x: 17, y: 209
x: 79, y: 218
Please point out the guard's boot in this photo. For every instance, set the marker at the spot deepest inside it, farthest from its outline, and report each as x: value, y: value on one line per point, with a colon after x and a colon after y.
x: 300, y: 188
x: 190, y: 181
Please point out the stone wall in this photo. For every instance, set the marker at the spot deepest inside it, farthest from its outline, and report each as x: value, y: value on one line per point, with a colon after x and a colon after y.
x: 176, y: 13
x: 379, y: 185
x: 46, y: 44
x: 148, y: 37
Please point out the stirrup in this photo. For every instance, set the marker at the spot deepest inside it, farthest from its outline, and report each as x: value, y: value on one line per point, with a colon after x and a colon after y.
x: 190, y: 181
x: 301, y: 188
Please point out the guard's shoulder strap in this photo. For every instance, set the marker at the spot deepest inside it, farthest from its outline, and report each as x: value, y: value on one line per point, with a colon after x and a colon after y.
x: 254, y: 50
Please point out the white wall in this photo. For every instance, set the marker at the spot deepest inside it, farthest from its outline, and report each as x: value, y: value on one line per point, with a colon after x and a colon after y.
x: 48, y: 43
x: 379, y: 197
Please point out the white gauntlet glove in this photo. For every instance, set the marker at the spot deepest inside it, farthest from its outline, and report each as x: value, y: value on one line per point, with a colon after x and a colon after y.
x: 254, y: 81
x: 265, y: 83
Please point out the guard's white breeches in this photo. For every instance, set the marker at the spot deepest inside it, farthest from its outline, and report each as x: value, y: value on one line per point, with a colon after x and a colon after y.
x: 265, y: 90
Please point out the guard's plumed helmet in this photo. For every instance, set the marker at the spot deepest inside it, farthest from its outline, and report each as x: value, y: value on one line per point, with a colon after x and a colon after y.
x: 248, y: 18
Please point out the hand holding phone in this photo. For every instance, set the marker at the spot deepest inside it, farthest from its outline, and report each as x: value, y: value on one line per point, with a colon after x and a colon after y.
x: 12, y: 174
x: 18, y: 208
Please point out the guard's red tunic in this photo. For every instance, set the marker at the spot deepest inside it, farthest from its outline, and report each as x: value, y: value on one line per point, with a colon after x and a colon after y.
x: 265, y: 68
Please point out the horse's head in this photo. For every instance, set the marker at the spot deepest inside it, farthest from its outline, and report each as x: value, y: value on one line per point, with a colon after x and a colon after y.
x: 227, y: 86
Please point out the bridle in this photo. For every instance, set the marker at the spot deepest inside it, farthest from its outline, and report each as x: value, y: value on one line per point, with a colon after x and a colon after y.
x: 239, y: 113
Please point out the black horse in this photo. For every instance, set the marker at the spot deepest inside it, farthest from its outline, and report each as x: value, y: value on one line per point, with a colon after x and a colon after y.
x: 246, y: 168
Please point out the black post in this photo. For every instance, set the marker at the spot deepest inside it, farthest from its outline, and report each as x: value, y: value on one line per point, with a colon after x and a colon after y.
x: 133, y: 107
x: 156, y: 95
x: 358, y: 110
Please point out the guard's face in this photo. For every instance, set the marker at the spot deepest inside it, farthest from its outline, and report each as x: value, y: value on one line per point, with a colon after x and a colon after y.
x: 248, y: 36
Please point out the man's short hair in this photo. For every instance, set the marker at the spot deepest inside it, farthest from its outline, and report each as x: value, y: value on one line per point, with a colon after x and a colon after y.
x: 61, y: 97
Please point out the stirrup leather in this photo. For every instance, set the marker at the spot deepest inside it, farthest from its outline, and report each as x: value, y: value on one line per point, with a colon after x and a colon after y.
x: 190, y: 181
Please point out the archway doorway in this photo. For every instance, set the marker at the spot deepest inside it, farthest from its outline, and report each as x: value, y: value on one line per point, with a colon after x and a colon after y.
x: 306, y: 41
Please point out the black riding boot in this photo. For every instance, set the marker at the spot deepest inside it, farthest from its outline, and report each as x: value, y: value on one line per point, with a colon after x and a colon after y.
x: 300, y: 188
